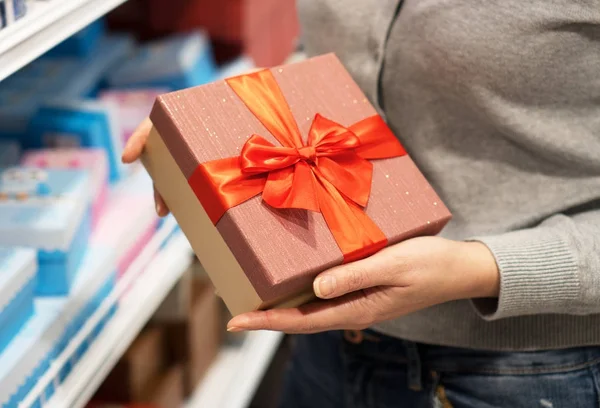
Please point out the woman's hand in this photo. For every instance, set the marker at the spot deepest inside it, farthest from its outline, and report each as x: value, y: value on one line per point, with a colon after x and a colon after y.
x: 133, y: 150
x: 396, y: 281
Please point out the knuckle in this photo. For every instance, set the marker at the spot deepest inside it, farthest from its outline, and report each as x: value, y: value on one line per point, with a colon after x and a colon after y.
x: 355, y: 278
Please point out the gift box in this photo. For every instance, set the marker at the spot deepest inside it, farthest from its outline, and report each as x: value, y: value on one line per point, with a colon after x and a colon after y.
x: 278, y: 175
x: 176, y: 62
x: 47, y: 210
x: 92, y: 160
x: 131, y: 379
x: 30, y: 353
x: 10, y: 152
x: 18, y: 267
x: 194, y: 340
x: 129, y: 221
x: 133, y: 106
x: 79, y: 123
x: 80, y: 44
x: 266, y: 30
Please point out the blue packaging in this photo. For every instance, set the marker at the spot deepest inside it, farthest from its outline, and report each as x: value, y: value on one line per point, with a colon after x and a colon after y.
x: 47, y: 210
x: 19, y: 8
x: 79, y: 123
x: 18, y: 268
x: 174, y: 63
x: 30, y: 353
x: 81, y: 44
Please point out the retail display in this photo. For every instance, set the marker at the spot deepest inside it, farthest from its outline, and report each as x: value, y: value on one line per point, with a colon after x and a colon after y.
x: 241, y: 213
x: 18, y: 268
x: 132, y: 106
x: 79, y: 123
x: 190, y: 63
x: 92, y: 160
x: 48, y: 210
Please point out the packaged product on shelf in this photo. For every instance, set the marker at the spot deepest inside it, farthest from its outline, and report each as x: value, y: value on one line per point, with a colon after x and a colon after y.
x: 81, y: 44
x: 129, y: 220
x: 47, y: 210
x: 93, y: 70
x: 79, y: 123
x: 266, y: 30
x: 284, y: 161
x: 19, y: 8
x: 10, y: 153
x: 92, y: 160
x: 18, y: 268
x: 173, y: 63
x: 131, y: 379
x: 133, y: 106
x: 194, y: 341
x: 94, y: 282
x: 30, y: 353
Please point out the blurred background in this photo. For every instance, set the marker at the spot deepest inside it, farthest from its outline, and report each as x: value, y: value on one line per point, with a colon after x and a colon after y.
x: 101, y: 303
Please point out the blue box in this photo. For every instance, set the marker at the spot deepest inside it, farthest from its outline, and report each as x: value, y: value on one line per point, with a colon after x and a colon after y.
x: 79, y: 123
x: 48, y: 210
x: 30, y: 353
x: 177, y: 62
x: 81, y: 44
x: 18, y: 268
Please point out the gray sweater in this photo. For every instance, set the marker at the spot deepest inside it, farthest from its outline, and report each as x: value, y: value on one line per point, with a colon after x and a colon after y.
x: 498, y: 103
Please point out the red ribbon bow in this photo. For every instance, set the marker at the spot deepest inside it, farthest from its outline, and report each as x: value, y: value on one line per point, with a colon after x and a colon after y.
x: 330, y: 174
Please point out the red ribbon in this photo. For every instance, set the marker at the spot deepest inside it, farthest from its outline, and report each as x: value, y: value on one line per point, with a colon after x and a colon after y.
x: 330, y: 174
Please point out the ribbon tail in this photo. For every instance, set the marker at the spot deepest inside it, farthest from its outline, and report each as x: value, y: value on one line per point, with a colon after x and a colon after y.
x: 355, y: 233
x: 377, y: 141
x: 220, y: 185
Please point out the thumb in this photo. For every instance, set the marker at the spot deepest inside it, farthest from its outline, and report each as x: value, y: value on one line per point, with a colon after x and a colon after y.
x: 376, y: 270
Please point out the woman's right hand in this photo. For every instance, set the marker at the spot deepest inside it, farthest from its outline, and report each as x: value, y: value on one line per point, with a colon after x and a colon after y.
x: 133, y: 150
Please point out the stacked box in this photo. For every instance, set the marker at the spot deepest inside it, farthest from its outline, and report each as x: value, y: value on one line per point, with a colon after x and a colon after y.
x: 47, y: 210
x: 18, y: 268
x: 92, y: 160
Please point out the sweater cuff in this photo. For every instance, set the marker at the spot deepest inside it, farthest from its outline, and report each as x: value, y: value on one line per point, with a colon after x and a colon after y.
x: 538, y: 274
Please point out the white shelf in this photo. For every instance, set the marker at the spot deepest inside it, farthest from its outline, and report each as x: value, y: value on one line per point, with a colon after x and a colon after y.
x: 237, y: 372
x: 46, y: 24
x: 139, y: 293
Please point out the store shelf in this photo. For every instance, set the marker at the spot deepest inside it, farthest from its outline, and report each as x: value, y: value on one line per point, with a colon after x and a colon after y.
x: 139, y: 293
x: 46, y: 24
x: 237, y: 372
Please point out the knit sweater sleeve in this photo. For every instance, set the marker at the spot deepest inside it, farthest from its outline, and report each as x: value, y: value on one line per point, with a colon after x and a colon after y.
x: 552, y: 268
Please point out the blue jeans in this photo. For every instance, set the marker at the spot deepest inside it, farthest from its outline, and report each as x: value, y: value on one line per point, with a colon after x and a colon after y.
x: 369, y: 370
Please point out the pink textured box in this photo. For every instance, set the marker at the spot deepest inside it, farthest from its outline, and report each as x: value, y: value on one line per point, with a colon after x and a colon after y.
x: 280, y: 174
x: 133, y: 106
x: 93, y: 160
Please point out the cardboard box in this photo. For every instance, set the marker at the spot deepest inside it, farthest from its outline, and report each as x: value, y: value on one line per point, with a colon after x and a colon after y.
x: 195, y: 341
x: 130, y: 379
x: 260, y: 222
x: 167, y: 390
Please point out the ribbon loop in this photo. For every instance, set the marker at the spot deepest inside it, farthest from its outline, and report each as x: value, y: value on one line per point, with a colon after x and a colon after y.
x: 330, y: 174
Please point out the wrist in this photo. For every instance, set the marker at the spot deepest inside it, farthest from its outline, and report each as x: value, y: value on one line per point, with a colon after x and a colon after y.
x: 477, y: 265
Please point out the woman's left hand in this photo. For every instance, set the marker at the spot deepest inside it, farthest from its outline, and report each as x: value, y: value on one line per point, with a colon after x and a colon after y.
x: 398, y: 280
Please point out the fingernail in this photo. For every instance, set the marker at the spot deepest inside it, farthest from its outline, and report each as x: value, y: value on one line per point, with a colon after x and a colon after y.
x: 324, y: 286
x: 234, y: 329
x: 157, y: 209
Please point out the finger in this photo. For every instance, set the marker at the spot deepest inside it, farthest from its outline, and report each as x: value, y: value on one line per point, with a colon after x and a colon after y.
x: 134, y: 146
x: 161, y: 207
x: 349, y: 312
x: 376, y: 270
